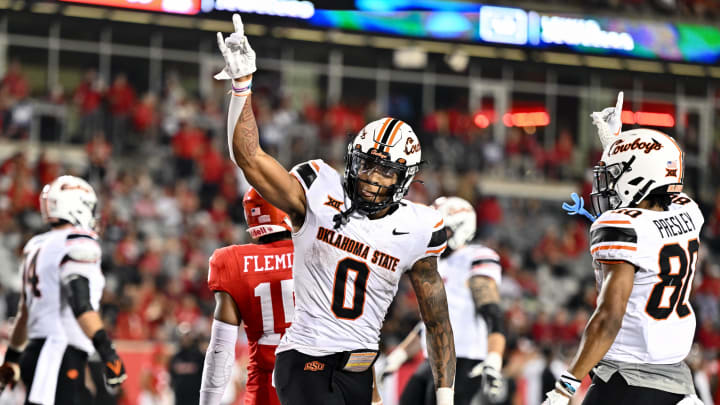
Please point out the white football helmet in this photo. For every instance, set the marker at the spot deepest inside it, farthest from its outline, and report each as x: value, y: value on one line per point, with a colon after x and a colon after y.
x: 640, y: 162
x: 71, y: 199
x: 387, y: 144
x: 460, y: 219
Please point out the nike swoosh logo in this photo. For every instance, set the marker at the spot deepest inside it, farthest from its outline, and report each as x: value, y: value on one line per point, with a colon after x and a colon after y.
x: 395, y: 232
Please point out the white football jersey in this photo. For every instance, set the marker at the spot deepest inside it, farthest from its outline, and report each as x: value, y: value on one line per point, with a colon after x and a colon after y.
x: 50, y: 258
x: 659, y: 322
x: 469, y: 328
x: 346, y: 278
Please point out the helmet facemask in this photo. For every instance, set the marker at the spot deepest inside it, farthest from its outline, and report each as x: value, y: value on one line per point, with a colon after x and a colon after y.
x: 360, y: 164
x: 604, y: 196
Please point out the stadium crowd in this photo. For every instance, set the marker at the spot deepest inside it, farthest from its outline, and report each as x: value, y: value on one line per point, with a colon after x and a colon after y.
x: 169, y: 196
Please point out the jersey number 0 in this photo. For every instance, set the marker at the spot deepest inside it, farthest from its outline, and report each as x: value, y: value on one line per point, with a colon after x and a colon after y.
x: 361, y: 270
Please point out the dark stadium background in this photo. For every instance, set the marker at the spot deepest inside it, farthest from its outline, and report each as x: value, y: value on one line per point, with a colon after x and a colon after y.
x: 126, y: 99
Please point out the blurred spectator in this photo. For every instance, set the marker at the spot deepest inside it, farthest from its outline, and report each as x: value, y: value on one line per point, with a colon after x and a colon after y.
x: 212, y: 167
x: 144, y: 116
x: 186, y: 367
x: 155, y: 379
x: 121, y: 101
x: 187, y: 143
x: 561, y: 156
x: 98, y: 151
x: 489, y: 216
x: 15, y: 81
x: 88, y: 98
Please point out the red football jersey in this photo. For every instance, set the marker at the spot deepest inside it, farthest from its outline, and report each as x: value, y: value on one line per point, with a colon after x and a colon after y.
x: 259, y: 279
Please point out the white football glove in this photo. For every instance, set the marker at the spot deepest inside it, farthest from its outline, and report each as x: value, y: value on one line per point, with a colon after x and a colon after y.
x: 239, y: 56
x: 690, y: 400
x: 493, y: 385
x: 609, y: 122
x: 555, y: 398
x: 394, y: 361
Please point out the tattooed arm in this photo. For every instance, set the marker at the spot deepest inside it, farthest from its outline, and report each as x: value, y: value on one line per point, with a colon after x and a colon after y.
x: 432, y: 300
x: 262, y: 171
x: 487, y: 304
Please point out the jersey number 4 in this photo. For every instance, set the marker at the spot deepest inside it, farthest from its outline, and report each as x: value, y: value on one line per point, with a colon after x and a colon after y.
x: 361, y: 270
x: 31, y: 274
x: 679, y: 278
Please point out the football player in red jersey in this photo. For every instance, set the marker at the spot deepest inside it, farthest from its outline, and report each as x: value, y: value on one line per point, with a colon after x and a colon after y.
x: 252, y: 283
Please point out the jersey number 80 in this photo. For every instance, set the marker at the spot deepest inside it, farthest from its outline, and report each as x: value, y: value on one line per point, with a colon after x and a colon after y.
x: 679, y: 280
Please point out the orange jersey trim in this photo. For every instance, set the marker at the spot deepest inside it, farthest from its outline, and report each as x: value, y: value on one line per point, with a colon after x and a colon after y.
x: 632, y: 248
x: 438, y: 224
x: 436, y: 250
x: 610, y: 261
x: 615, y: 222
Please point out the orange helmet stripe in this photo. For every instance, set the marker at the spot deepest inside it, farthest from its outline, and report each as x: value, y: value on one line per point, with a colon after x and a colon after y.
x: 392, y: 136
x: 380, y: 133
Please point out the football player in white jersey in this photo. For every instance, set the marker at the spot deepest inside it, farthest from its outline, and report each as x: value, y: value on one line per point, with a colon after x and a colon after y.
x: 58, y: 310
x: 472, y: 274
x: 354, y: 237
x: 644, y: 245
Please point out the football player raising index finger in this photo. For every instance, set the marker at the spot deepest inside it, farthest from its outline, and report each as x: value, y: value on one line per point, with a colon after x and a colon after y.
x: 354, y: 237
x: 644, y: 246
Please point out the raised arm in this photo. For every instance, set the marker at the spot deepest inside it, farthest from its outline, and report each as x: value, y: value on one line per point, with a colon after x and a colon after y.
x: 430, y: 292
x: 270, y: 179
x: 262, y: 171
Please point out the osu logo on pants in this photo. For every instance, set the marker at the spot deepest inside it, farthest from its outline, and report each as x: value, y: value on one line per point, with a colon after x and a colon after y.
x: 314, y: 366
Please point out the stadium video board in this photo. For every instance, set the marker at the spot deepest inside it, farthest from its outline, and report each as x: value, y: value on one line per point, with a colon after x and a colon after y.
x: 513, y: 26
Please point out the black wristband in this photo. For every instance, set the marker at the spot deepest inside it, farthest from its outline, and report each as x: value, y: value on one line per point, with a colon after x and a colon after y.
x: 12, y: 355
x: 104, y: 345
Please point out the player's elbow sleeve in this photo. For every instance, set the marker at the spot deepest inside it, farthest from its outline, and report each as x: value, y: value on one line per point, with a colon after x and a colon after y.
x: 493, y: 316
x: 77, y: 289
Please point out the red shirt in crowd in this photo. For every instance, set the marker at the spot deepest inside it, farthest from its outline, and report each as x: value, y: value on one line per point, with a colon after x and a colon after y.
x: 121, y: 97
x: 187, y: 141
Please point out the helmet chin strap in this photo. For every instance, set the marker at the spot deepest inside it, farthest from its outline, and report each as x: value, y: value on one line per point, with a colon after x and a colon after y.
x: 343, y: 217
x: 641, y: 193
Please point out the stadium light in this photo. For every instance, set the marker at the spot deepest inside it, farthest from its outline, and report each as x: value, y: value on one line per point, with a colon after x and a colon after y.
x: 481, y: 120
x: 526, y: 119
x: 651, y: 119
